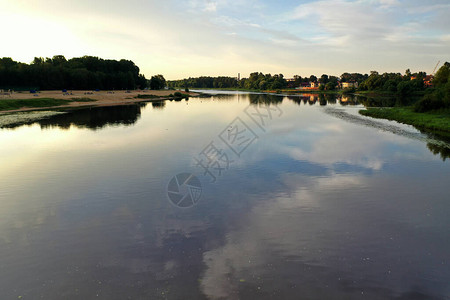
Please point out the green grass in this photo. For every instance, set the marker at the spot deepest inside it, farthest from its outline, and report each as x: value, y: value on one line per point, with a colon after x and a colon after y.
x: 11, y: 104
x: 432, y: 121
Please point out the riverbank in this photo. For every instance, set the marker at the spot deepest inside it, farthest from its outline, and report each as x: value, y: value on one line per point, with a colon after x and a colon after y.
x: 430, y: 121
x: 281, y: 91
x: 19, y: 102
x: 295, y: 91
x: 380, y: 94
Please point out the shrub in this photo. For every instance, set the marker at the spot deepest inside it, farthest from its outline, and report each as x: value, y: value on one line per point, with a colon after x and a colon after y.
x: 390, y: 86
x: 178, y: 94
x: 404, y: 88
x: 186, y: 90
x: 429, y: 102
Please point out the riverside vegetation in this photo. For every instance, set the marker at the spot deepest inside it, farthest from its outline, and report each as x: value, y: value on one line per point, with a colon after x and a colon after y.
x: 416, y: 103
x: 431, y: 112
x: 80, y: 73
x: 414, y: 97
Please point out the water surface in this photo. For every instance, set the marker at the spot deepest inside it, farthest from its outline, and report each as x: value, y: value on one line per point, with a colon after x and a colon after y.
x: 321, y: 204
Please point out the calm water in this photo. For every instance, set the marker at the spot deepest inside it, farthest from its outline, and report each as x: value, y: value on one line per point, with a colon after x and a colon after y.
x: 315, y: 203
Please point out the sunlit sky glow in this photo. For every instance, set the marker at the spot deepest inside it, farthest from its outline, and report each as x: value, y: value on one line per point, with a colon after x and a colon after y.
x: 223, y: 37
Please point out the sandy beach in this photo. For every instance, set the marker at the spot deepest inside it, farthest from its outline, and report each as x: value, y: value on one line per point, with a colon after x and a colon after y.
x: 103, y: 98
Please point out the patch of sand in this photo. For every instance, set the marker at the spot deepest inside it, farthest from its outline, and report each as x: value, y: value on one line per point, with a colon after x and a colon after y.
x: 104, y: 98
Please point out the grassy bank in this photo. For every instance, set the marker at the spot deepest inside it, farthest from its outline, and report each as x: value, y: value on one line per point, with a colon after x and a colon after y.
x: 11, y: 104
x: 433, y: 121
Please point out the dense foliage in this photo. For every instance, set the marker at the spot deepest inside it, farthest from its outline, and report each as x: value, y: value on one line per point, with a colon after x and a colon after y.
x: 438, y: 97
x: 205, y: 82
x: 256, y: 81
x: 81, y: 73
x: 260, y: 81
x: 157, y: 82
x: 394, y: 83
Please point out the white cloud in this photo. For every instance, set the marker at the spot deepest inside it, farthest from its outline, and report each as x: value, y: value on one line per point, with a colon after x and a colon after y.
x: 268, y: 227
x: 210, y: 6
x: 389, y: 3
x: 222, y: 37
x: 359, y: 20
x: 446, y: 38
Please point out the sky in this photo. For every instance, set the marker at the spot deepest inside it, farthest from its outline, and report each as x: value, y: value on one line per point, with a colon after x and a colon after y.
x: 193, y: 38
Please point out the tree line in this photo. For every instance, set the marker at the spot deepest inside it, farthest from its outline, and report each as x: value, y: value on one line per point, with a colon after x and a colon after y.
x: 394, y: 82
x: 260, y: 81
x: 205, y: 82
x: 391, y: 82
x: 256, y: 81
x: 434, y: 89
x: 82, y: 73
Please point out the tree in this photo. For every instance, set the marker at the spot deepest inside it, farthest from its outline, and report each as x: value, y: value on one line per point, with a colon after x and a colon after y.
x: 157, y: 82
x: 58, y: 60
x: 38, y: 60
x: 408, y: 73
x: 323, y: 79
x: 85, y: 72
x: 330, y: 86
x: 442, y: 75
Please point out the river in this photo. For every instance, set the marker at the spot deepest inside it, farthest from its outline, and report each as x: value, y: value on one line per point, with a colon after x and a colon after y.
x: 228, y: 196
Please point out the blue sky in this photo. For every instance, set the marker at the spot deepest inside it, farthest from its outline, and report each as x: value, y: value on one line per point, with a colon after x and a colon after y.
x: 223, y: 37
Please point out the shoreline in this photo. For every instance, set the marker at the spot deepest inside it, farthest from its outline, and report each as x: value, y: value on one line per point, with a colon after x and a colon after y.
x: 435, y: 122
x: 289, y: 91
x: 96, y: 99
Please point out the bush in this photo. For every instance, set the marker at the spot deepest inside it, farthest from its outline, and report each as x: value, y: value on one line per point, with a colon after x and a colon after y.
x: 429, y: 102
x: 330, y: 86
x: 405, y: 88
x: 178, y: 95
x: 390, y: 86
x: 186, y: 90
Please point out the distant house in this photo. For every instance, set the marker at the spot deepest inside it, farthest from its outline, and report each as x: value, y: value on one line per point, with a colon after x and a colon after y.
x: 290, y: 83
x: 308, y: 86
x: 314, y: 84
x: 428, y: 80
x: 346, y: 85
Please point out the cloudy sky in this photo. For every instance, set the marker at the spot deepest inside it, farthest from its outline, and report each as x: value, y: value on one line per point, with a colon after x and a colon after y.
x: 223, y: 37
